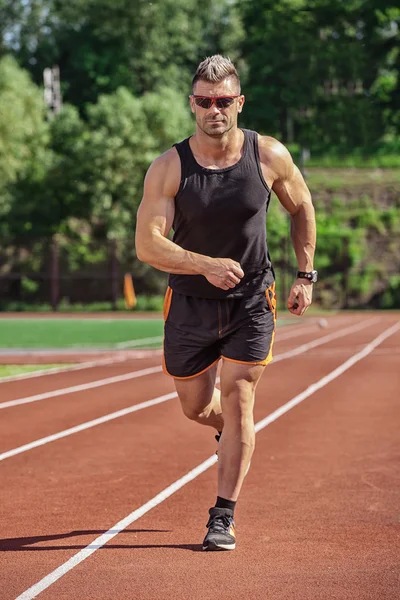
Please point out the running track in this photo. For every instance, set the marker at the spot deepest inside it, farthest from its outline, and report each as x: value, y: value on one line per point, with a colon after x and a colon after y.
x: 318, y: 517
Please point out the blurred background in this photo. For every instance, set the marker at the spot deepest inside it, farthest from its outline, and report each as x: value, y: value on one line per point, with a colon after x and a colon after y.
x: 91, y: 91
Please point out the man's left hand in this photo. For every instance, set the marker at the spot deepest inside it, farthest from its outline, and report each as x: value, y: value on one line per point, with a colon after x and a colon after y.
x: 300, y: 296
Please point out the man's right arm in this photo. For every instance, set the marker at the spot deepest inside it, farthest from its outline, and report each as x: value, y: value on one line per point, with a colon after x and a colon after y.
x: 154, y: 221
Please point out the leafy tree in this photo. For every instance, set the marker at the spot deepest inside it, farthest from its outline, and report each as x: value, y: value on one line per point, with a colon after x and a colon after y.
x: 99, y: 168
x: 320, y: 73
x: 109, y: 155
x: 101, y: 45
x: 24, y: 135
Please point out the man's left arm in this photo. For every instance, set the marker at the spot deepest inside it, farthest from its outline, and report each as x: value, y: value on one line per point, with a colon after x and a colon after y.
x: 294, y: 195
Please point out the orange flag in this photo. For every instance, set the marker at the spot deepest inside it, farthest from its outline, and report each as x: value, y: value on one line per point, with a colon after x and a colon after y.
x: 129, y: 291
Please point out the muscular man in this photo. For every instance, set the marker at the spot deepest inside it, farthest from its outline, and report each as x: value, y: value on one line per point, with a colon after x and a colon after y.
x: 213, y: 189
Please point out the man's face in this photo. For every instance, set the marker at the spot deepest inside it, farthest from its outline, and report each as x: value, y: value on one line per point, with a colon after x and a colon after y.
x: 214, y: 120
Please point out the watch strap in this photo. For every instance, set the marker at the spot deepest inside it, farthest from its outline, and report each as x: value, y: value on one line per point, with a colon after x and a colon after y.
x: 305, y: 274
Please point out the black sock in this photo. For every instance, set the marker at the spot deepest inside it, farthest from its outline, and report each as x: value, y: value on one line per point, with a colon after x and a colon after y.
x: 223, y: 503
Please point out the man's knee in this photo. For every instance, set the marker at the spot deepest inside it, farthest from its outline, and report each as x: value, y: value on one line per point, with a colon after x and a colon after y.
x: 194, y: 413
x: 195, y: 407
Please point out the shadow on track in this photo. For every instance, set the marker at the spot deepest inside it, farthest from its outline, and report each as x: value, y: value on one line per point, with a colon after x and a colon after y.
x: 26, y: 544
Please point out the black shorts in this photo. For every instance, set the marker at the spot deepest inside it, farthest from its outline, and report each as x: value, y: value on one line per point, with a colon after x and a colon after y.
x: 199, y: 331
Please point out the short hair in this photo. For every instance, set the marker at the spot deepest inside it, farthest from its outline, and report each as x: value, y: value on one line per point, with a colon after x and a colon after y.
x: 215, y: 69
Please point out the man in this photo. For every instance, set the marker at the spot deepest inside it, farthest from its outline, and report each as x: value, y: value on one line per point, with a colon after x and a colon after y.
x: 214, y: 189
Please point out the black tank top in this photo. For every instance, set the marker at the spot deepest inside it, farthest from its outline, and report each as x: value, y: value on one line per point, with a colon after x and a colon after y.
x: 222, y: 213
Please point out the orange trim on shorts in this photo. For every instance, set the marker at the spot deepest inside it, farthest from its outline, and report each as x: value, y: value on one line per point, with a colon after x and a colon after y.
x: 245, y: 362
x: 167, y: 302
x: 271, y: 299
x: 164, y: 366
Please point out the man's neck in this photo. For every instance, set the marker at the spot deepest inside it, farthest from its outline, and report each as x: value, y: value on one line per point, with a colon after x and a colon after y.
x: 218, y: 147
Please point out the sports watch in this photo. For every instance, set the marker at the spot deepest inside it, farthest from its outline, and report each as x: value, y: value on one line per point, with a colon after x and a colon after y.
x: 310, y: 275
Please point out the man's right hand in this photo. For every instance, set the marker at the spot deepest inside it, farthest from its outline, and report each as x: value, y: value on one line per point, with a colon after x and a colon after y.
x: 224, y: 273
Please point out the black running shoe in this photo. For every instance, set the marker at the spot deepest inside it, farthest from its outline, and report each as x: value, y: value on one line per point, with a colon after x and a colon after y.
x: 221, y: 530
x: 218, y: 437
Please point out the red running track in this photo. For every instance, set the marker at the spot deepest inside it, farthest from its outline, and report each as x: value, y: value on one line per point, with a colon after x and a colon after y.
x: 318, y: 517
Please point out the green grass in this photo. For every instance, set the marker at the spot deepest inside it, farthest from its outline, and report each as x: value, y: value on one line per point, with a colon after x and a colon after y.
x: 349, y: 178
x: 10, y: 370
x: 82, y: 333
x: 67, y: 333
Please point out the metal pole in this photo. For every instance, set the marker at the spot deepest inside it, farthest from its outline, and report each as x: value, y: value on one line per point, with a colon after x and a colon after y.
x: 52, y: 90
x: 114, y: 273
x: 54, y: 275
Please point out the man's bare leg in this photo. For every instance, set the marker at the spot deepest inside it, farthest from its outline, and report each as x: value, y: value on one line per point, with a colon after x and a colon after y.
x: 200, y: 399
x: 238, y: 385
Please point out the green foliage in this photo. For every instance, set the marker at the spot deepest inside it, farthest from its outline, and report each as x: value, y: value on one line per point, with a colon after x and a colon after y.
x: 358, y: 242
x: 149, y: 303
x: 23, y: 142
x: 29, y: 286
x: 316, y: 74
x: 100, y: 166
x: 321, y: 73
x: 101, y: 45
x: 144, y: 303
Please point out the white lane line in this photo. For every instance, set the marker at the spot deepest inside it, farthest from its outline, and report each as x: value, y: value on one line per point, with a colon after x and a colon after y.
x: 300, y: 329
x: 279, y: 337
x: 125, y: 357
x: 324, y: 340
x: 85, y: 386
x: 85, y: 365
x: 115, y: 415
x: 328, y: 378
x: 103, y: 539
x: 132, y: 343
x: 154, y: 401
x: 82, y: 387
x: 108, y: 361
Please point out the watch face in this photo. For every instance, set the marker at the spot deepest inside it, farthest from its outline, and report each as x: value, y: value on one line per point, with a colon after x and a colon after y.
x: 310, y: 275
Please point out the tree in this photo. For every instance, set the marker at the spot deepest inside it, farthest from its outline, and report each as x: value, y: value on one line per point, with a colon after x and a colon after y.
x: 101, y: 45
x: 96, y: 181
x: 315, y: 69
x: 24, y: 156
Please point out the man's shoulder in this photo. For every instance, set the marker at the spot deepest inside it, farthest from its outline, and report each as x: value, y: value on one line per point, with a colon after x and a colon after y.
x: 167, y: 158
x: 165, y: 172
x: 274, y: 155
x: 271, y: 147
x: 167, y: 162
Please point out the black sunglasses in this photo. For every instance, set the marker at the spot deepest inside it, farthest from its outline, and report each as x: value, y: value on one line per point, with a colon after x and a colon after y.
x: 220, y: 101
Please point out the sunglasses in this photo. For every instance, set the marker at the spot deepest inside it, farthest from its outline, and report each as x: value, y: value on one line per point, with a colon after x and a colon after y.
x: 220, y: 101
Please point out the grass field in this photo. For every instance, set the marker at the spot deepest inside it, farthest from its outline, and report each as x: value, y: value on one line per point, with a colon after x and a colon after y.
x: 69, y: 333
x: 11, y: 370
x: 27, y: 333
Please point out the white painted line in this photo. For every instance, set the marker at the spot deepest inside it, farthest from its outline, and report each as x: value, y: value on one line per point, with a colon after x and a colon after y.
x: 62, y: 434
x: 85, y: 365
x: 287, y: 335
x: 86, y: 386
x: 148, y: 403
x: 324, y: 340
x: 300, y: 329
x: 328, y: 378
x: 132, y: 343
x: 103, y: 539
x: 82, y: 387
